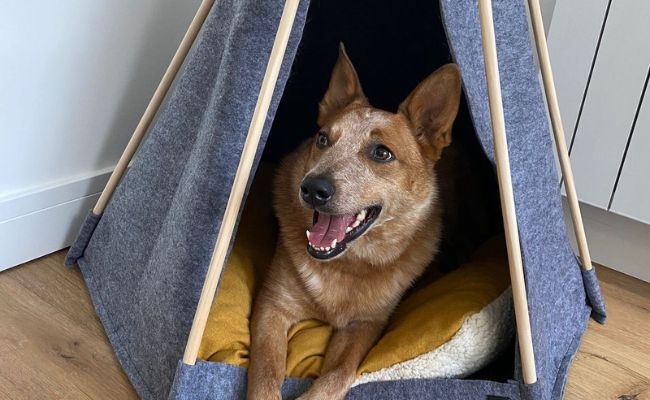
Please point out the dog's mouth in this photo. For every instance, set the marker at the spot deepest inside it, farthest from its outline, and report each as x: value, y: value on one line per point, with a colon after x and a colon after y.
x: 331, y: 234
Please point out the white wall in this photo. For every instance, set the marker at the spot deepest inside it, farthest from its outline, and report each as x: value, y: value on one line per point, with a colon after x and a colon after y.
x: 599, y: 99
x: 547, y: 7
x: 75, y: 76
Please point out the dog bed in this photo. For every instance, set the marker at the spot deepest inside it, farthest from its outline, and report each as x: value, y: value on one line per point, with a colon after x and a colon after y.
x: 449, y: 326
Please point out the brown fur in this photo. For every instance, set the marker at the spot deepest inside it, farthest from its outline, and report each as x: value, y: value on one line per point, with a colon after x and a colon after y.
x: 357, y: 291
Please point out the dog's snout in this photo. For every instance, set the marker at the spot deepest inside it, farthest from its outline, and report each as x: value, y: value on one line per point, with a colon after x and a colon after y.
x: 316, y: 190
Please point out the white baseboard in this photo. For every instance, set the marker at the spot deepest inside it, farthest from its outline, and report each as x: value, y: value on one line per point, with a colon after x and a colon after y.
x: 47, y: 218
x: 615, y: 241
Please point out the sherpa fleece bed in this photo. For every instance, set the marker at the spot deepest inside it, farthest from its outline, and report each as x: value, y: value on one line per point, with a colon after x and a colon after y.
x: 450, y: 327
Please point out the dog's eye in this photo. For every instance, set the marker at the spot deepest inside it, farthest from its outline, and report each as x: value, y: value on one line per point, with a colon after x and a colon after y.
x: 322, y: 140
x: 382, y: 154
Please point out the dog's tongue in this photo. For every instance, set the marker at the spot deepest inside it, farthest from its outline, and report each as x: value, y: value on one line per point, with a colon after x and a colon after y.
x: 329, y: 227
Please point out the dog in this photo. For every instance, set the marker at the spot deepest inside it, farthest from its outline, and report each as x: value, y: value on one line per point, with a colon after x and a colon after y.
x: 359, y: 220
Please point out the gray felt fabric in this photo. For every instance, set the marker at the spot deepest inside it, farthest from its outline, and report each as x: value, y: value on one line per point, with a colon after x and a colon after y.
x: 85, y: 233
x: 145, y: 261
x: 594, y: 296
x: 210, y: 380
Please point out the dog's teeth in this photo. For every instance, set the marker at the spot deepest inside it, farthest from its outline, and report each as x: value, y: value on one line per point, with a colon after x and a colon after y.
x: 311, y: 245
x: 327, y: 249
x: 308, y: 233
x: 334, y: 243
x: 348, y: 229
x: 362, y: 215
x: 356, y: 223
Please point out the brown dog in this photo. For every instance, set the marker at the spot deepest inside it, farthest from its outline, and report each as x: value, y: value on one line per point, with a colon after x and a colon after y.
x: 359, y: 222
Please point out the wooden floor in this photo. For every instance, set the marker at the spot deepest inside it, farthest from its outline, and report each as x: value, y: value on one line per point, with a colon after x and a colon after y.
x: 52, y: 345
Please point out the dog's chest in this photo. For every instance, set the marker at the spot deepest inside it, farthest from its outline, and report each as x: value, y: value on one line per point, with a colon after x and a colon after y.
x: 341, y: 298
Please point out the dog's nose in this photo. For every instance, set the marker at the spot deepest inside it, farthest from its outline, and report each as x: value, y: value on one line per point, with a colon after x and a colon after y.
x: 316, y: 190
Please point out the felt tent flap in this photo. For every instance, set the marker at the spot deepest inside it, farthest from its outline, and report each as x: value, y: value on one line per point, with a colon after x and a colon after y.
x: 554, y: 283
x: 148, y: 256
x: 426, y: 319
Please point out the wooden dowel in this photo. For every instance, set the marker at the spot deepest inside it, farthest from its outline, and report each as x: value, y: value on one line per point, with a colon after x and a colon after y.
x: 154, y: 104
x: 239, y: 185
x: 558, y: 132
x: 505, y: 190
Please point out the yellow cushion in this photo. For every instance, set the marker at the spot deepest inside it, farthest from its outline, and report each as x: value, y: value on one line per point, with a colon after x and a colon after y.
x: 427, y: 318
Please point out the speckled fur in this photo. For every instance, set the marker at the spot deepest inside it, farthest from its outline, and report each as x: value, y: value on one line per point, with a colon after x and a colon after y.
x: 357, y: 291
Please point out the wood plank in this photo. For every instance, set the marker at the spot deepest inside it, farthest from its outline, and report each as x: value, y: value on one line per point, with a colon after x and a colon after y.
x: 614, y: 359
x: 53, y: 345
x: 68, y: 282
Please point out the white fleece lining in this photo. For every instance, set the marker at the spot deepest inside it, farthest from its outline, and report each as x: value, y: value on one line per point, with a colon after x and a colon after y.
x: 481, y: 337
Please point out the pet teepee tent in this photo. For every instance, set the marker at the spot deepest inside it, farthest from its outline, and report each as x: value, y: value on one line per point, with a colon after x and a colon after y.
x: 147, y: 250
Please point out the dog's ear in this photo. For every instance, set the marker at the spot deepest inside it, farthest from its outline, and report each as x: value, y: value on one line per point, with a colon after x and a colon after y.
x: 432, y: 108
x: 344, y: 89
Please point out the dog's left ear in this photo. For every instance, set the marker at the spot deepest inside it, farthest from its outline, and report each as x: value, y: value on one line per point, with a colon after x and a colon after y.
x: 432, y: 108
x: 344, y: 89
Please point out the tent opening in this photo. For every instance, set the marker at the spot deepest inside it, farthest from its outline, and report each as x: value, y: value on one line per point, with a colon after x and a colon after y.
x: 393, y: 47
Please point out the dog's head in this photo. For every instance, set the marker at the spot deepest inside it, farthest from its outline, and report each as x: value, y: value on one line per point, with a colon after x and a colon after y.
x: 369, y: 174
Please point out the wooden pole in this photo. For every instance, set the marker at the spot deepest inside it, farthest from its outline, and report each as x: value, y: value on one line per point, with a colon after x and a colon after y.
x: 506, y: 193
x: 239, y: 185
x: 154, y: 104
x: 558, y: 132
